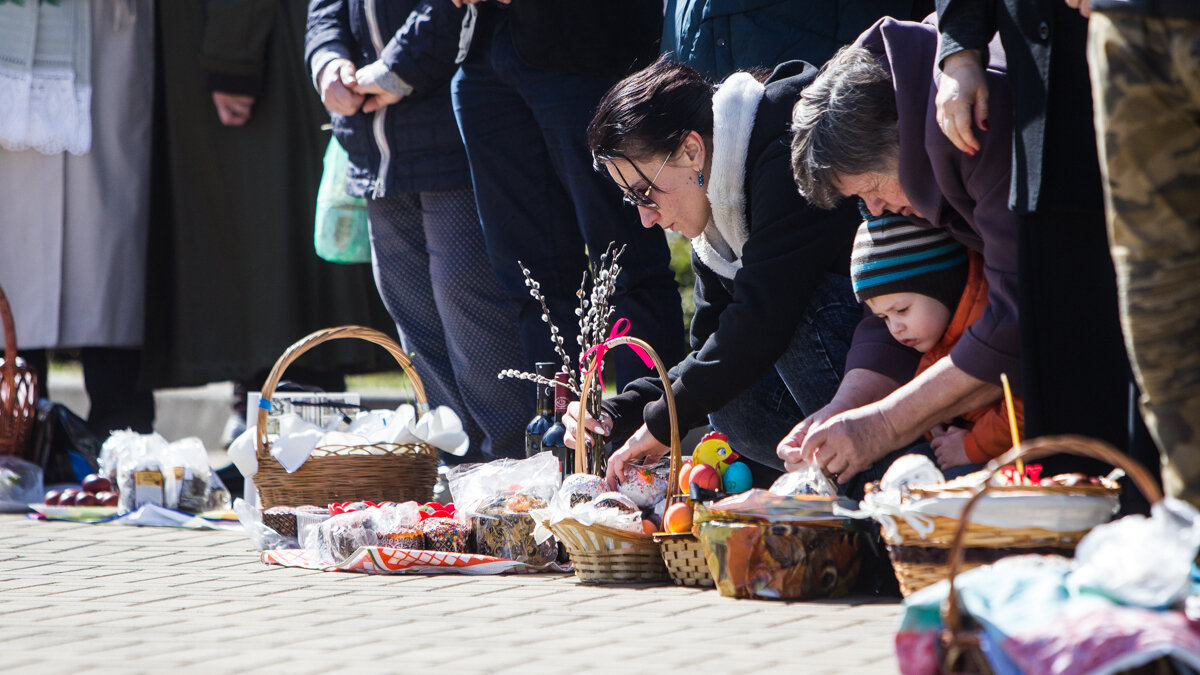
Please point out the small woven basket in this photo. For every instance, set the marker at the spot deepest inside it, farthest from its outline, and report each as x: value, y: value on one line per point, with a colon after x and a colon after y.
x: 18, y: 390
x: 961, y: 651
x: 606, y: 555
x: 683, y: 555
x: 380, y: 472
x: 920, y: 561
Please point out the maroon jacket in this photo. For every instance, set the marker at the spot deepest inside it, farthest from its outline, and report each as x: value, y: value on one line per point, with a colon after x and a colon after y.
x: 967, y: 196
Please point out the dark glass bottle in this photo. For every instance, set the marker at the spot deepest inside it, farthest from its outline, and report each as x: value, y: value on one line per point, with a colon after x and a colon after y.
x: 555, y: 439
x: 544, y: 419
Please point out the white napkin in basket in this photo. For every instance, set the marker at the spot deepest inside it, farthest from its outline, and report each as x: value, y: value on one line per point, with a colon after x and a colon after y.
x: 439, y: 427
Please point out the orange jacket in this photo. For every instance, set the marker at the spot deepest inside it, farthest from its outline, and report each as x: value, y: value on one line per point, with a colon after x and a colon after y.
x: 988, y: 433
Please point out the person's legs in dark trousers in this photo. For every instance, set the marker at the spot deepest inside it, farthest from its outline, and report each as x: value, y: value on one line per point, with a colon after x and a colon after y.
x: 1074, y: 368
x: 480, y: 323
x: 804, y: 379
x: 110, y: 376
x: 427, y: 256
x: 401, y: 266
x: 540, y: 201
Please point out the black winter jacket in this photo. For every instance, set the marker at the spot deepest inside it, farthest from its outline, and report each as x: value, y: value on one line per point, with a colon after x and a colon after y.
x: 742, y: 326
x: 412, y: 145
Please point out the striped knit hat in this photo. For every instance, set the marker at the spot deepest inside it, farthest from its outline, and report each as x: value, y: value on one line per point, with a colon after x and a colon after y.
x: 891, y: 255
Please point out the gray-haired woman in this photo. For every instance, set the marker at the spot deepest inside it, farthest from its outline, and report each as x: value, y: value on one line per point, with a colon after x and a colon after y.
x: 867, y: 127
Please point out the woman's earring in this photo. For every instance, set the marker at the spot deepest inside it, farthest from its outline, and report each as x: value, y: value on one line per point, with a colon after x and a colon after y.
x: 701, y: 178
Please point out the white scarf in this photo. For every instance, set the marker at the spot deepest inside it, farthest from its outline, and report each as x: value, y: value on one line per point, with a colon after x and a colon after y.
x: 735, y: 105
x: 45, y: 76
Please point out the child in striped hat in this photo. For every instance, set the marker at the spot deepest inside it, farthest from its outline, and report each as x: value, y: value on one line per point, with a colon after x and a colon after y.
x: 929, y: 289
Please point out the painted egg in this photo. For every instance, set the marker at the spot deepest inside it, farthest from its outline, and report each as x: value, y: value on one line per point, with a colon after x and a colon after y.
x: 684, y: 472
x: 644, y: 485
x: 679, y: 518
x: 737, y: 478
x: 581, y: 487
x: 705, y: 477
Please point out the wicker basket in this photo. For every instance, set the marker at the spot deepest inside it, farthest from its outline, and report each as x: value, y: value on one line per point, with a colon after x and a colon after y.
x: 380, y: 472
x: 684, y: 557
x: 960, y: 647
x: 920, y: 561
x: 606, y: 555
x: 18, y: 390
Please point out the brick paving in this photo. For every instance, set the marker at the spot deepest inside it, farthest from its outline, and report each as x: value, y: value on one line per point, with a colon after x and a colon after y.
x: 119, y: 599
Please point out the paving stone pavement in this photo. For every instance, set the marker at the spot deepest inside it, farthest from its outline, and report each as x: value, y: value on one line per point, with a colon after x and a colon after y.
x: 119, y: 599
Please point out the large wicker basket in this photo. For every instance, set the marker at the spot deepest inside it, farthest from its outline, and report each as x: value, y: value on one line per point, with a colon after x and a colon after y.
x: 606, y: 555
x: 18, y: 390
x: 961, y: 651
x: 396, y: 472
x: 920, y: 561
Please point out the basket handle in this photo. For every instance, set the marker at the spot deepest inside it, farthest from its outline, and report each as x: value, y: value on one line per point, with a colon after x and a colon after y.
x: 954, y: 640
x: 676, y: 454
x: 315, y: 338
x: 8, y: 370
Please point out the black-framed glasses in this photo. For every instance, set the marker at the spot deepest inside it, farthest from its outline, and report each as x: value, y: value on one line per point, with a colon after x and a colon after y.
x: 642, y: 197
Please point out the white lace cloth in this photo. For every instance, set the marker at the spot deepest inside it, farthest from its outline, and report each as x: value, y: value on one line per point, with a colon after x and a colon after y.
x: 45, y: 78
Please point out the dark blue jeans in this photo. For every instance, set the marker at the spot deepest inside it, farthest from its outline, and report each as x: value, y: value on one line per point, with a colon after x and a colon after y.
x: 803, y: 380
x: 541, y: 202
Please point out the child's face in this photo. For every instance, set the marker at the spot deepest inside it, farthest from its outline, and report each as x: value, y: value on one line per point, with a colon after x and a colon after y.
x: 915, y: 320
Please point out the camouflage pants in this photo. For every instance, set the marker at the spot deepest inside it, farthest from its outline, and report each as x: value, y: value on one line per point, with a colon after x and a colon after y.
x: 1146, y: 84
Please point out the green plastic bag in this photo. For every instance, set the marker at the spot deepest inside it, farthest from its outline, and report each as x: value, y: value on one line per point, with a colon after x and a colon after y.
x: 340, y: 232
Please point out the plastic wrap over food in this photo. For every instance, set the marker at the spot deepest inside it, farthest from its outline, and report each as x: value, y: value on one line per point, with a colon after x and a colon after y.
x: 20, y: 481
x: 188, y: 460
x: 1146, y: 562
x: 807, y: 480
x: 610, y: 509
x: 262, y: 535
x: 473, y: 485
x: 646, y: 483
x: 780, y: 561
x: 765, y: 506
x: 145, y: 474
x: 497, y: 498
x: 341, y: 535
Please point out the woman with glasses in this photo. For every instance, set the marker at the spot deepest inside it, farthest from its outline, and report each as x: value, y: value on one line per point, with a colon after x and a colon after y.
x: 774, y: 307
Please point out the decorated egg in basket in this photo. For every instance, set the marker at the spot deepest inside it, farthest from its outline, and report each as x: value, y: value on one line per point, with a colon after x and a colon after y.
x: 581, y: 487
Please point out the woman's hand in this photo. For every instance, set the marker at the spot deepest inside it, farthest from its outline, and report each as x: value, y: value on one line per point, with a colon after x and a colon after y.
x: 232, y: 109
x: 948, y: 445
x: 571, y: 423
x: 336, y: 82
x: 962, y: 98
x: 641, y: 445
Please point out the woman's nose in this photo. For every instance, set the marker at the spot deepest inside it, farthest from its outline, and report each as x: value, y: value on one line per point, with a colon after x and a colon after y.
x: 876, y: 207
x: 650, y: 217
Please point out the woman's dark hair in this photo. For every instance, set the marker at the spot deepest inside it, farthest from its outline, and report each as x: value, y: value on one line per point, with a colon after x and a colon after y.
x: 845, y: 124
x: 649, y: 113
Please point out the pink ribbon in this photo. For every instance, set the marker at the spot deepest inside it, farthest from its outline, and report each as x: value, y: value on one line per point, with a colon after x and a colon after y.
x: 619, y: 329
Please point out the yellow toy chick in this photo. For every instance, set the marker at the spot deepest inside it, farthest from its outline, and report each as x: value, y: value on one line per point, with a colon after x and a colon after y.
x: 713, y: 450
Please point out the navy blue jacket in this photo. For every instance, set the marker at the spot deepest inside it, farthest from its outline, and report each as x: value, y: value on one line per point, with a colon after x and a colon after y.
x: 412, y: 145
x: 717, y: 37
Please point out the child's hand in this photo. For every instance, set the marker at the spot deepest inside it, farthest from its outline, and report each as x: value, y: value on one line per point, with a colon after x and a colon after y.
x: 948, y: 446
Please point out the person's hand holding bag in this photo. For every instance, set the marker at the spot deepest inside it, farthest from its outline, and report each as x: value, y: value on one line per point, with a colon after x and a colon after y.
x: 336, y: 83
